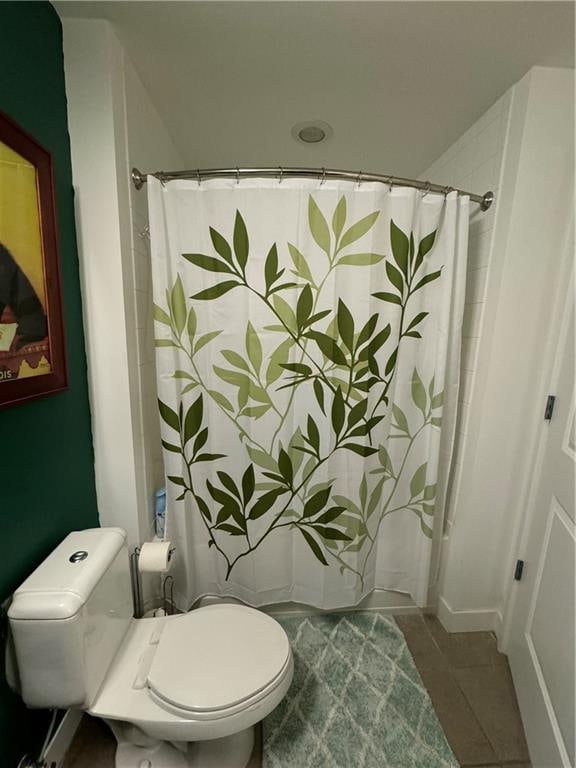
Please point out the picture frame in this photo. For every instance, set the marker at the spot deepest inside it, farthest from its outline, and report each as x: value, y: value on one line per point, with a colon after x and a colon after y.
x: 32, y: 342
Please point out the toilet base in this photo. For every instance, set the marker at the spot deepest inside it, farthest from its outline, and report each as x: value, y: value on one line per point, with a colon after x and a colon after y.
x: 229, y: 752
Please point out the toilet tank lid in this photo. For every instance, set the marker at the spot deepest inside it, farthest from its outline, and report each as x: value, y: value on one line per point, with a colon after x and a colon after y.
x: 62, y: 584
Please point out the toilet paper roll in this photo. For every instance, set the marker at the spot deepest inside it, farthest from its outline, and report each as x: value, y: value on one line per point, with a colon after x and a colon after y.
x: 155, y: 557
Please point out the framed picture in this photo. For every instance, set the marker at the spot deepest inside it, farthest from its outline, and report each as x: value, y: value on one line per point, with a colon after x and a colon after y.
x: 32, y: 354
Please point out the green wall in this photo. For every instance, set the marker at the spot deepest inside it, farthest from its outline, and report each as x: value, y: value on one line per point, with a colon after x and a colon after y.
x: 46, y: 459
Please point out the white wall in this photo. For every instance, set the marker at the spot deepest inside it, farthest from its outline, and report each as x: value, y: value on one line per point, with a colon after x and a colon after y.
x: 92, y: 67
x: 148, y: 147
x: 522, y: 148
x: 113, y: 126
x: 474, y: 162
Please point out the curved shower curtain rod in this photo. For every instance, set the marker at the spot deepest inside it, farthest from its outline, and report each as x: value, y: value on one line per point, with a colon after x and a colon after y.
x: 139, y: 178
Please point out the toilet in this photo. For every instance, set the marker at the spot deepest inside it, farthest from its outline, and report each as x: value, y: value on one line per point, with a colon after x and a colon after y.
x: 181, y: 691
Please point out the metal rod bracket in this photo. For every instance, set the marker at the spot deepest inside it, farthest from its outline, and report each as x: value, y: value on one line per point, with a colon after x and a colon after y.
x: 138, y: 179
x: 487, y: 200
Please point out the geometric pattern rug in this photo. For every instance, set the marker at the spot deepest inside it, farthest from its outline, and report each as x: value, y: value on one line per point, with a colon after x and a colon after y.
x: 356, y: 701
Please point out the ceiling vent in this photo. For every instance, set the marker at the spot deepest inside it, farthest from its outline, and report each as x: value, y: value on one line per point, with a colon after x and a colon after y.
x: 312, y: 132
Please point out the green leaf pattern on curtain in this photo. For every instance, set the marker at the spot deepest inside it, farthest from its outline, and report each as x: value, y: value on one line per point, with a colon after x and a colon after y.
x: 347, y: 368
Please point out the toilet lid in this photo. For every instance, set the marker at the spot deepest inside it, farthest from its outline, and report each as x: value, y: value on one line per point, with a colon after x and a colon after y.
x: 215, y: 657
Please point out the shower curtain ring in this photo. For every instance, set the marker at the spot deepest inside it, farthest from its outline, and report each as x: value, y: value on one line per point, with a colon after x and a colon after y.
x: 447, y: 191
x: 359, y: 179
x: 237, y: 176
x: 323, y: 179
x: 198, y: 176
x: 427, y: 188
x: 281, y: 174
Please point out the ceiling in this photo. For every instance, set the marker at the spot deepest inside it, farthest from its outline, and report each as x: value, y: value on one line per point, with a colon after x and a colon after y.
x: 397, y: 81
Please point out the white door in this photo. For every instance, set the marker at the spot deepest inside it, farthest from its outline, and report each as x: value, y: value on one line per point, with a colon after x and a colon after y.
x: 542, y: 637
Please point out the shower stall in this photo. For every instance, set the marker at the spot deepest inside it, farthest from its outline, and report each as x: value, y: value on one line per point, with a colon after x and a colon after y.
x: 308, y: 334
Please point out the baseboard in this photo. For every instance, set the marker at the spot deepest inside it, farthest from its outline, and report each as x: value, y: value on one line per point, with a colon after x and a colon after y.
x: 60, y: 742
x: 482, y: 620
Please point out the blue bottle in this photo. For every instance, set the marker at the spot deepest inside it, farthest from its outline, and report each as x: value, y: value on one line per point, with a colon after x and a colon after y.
x: 160, y: 512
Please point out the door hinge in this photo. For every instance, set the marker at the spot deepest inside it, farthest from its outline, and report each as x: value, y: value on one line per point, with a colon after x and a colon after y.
x: 549, y: 410
x: 518, y: 570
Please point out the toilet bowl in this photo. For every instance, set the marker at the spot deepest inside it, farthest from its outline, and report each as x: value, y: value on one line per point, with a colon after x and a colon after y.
x: 197, y: 683
x: 179, y: 691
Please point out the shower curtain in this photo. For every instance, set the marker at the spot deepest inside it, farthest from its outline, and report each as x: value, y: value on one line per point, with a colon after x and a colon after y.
x: 307, y: 339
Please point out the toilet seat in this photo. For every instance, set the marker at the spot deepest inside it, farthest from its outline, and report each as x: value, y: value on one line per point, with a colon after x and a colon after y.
x: 126, y: 695
x: 218, y: 660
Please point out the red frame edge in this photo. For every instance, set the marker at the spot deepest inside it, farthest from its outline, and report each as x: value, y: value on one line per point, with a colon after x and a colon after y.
x: 22, y: 390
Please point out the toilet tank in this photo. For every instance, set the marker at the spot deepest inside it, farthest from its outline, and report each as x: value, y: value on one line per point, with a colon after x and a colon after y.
x: 69, y: 617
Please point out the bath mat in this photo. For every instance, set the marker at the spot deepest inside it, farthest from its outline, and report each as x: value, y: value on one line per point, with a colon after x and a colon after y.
x: 357, y: 700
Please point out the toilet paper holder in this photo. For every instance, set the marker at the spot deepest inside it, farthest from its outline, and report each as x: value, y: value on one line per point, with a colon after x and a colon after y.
x: 168, y: 594
x: 136, y: 586
x: 167, y: 585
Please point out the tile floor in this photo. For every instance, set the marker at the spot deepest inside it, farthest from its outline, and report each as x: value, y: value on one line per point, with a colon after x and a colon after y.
x: 469, y: 683
x: 471, y: 689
